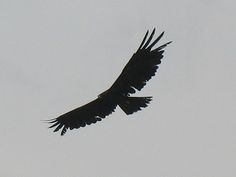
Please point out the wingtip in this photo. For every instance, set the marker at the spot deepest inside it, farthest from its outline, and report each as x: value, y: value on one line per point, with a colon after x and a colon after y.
x: 64, y: 129
x: 149, y: 39
x: 146, y: 34
x: 143, y: 41
x: 163, y: 46
x: 163, y: 32
x: 168, y: 43
x: 49, y: 120
x: 153, y: 31
x: 155, y: 41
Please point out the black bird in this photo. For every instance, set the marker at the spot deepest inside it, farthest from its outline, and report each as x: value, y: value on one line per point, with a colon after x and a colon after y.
x: 140, y: 68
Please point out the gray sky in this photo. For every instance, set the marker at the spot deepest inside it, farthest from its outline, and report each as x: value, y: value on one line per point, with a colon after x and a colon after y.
x: 47, y: 49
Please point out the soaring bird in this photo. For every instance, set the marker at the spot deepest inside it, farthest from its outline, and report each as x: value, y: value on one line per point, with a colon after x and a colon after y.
x: 139, y: 69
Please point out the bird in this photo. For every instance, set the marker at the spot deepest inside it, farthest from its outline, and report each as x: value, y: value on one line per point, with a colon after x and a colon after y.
x: 141, y: 67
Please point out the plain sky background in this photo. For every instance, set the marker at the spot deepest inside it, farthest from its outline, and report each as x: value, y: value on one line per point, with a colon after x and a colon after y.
x: 56, y: 55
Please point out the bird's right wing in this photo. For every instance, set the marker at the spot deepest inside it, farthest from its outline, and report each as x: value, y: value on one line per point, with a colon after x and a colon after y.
x: 84, y: 115
x: 141, y: 67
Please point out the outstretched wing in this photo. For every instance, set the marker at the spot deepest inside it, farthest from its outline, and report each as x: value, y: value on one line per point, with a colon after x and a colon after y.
x: 84, y: 115
x: 141, y: 67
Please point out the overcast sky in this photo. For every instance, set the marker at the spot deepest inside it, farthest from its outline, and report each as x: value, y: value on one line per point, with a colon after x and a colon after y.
x: 57, y: 55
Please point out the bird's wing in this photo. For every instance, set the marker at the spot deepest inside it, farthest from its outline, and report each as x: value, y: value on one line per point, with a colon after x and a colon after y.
x: 141, y: 67
x: 84, y: 115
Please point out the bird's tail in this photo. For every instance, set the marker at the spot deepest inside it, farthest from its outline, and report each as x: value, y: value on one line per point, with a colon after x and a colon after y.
x: 134, y: 104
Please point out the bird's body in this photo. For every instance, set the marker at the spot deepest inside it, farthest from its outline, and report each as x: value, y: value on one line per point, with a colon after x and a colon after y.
x: 140, y: 68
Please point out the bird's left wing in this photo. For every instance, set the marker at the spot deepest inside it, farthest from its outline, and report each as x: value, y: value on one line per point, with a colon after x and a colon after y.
x: 90, y: 113
x: 141, y: 67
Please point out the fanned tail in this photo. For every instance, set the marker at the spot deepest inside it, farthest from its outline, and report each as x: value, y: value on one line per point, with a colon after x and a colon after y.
x: 134, y: 104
